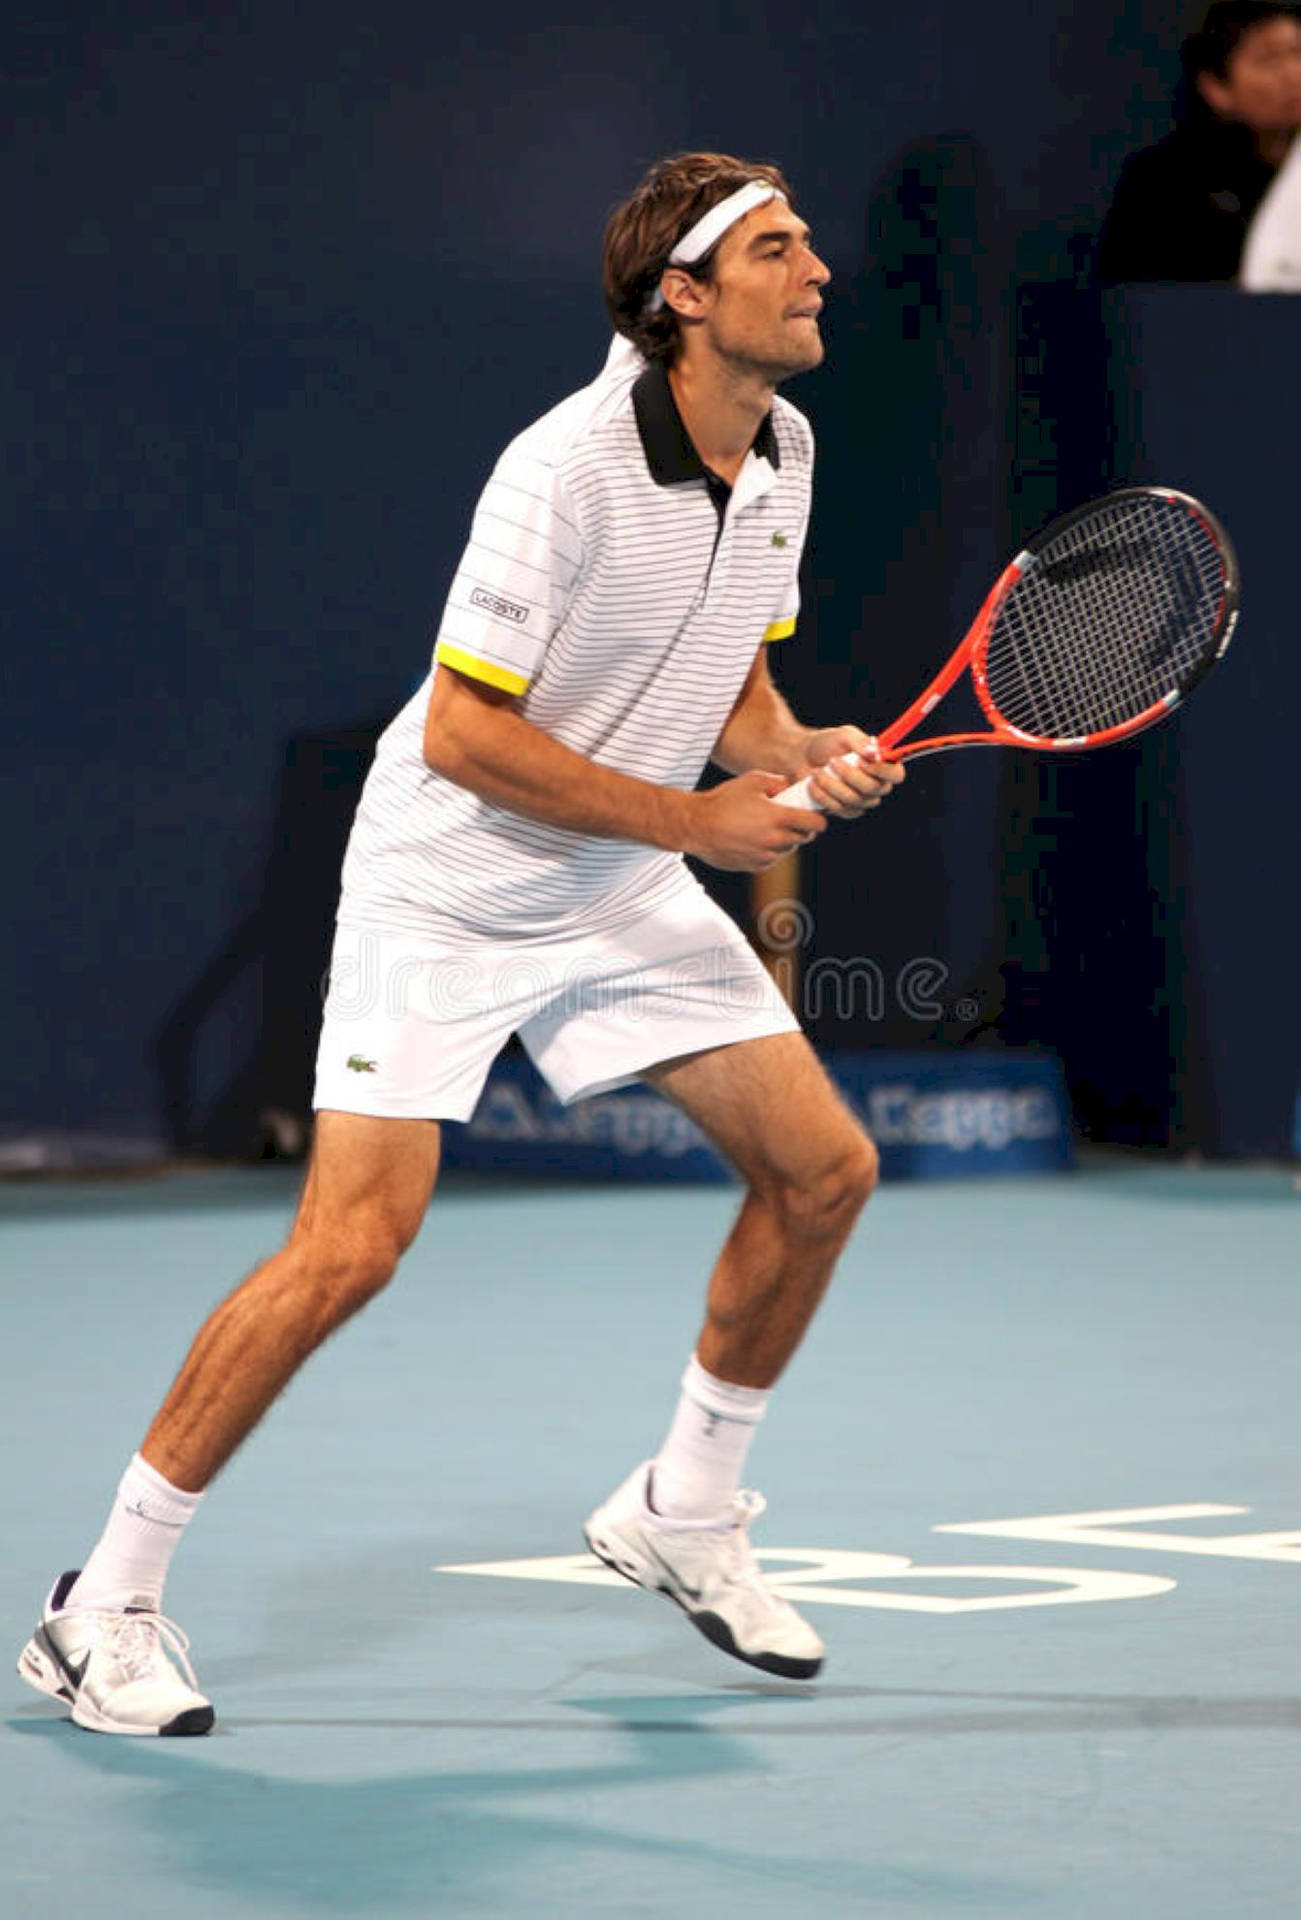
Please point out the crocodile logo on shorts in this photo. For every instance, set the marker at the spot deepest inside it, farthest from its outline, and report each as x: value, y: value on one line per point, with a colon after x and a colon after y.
x: 356, y: 1064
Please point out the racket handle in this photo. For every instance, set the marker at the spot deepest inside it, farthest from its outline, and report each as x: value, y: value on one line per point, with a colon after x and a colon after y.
x: 799, y: 795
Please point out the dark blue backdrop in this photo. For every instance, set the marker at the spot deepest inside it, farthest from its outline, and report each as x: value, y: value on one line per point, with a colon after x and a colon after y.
x: 280, y: 287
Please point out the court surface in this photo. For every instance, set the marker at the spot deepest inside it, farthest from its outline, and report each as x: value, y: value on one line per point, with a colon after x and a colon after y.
x: 398, y: 1739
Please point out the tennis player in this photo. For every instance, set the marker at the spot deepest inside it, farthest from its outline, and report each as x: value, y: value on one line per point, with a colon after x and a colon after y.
x: 516, y: 867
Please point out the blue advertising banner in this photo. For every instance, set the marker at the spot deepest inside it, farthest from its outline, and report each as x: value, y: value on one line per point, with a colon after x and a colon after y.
x: 931, y: 1115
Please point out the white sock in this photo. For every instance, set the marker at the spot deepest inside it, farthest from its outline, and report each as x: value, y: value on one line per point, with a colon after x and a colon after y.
x: 699, y: 1467
x: 129, y: 1564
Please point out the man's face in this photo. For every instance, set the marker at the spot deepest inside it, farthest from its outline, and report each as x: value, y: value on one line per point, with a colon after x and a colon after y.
x: 1262, y: 89
x: 760, y: 310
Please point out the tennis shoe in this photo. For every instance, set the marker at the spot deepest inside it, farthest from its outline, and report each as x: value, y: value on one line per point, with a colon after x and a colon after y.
x: 121, y: 1670
x: 708, y: 1569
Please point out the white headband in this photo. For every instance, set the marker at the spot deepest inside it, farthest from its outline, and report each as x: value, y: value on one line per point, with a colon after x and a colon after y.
x: 708, y: 231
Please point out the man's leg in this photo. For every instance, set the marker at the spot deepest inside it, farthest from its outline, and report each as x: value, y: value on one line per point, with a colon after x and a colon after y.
x: 678, y: 1523
x: 366, y: 1192
x: 809, y: 1169
x: 103, y: 1644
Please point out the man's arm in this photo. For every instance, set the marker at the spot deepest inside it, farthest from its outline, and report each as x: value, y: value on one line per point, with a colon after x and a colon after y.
x: 476, y: 736
x: 762, y: 732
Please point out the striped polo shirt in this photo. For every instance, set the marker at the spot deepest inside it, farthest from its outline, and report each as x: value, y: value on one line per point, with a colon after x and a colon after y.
x: 620, y: 591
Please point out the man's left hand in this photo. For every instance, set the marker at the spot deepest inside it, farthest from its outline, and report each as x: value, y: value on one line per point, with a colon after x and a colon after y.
x: 839, y: 787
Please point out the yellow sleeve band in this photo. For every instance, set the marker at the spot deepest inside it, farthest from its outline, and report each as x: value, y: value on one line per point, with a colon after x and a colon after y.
x: 780, y: 629
x: 481, y: 669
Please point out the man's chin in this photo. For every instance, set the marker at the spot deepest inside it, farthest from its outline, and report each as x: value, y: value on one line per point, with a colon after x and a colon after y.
x: 799, y: 357
x: 804, y: 361
x: 806, y: 348
x: 796, y: 356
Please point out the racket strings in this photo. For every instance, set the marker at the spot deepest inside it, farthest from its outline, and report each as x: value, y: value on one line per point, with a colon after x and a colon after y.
x: 1109, y: 625
x: 1117, y: 612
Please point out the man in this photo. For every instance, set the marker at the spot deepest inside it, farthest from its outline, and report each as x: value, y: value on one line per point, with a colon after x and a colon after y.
x: 1183, y: 208
x: 516, y: 866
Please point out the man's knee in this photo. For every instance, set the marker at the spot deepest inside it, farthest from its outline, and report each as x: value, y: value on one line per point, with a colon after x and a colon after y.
x: 343, y: 1273
x: 827, y: 1199
x: 847, y: 1182
x: 865, y: 1171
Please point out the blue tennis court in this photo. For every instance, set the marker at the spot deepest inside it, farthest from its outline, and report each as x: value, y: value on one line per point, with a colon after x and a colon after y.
x: 1032, y: 1477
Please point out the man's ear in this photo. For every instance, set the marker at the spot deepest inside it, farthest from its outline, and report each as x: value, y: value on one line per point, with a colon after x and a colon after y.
x: 682, y: 292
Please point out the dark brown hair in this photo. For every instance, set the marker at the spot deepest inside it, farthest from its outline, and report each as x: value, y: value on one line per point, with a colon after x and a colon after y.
x: 643, y: 230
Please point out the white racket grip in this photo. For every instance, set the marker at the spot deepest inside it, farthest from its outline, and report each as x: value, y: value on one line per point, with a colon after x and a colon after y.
x: 799, y: 795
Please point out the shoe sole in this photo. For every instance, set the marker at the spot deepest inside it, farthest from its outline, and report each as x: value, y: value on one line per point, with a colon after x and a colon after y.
x: 609, y: 1549
x: 194, y: 1720
x: 40, y: 1670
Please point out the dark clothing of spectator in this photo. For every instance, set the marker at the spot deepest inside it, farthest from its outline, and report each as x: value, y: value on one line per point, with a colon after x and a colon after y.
x: 1182, y: 208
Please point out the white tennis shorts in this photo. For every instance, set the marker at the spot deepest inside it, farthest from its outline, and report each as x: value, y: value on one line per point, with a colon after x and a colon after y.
x: 413, y: 1023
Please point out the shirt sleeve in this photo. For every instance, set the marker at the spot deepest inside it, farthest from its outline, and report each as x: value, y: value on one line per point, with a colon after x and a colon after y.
x: 516, y: 575
x: 786, y: 611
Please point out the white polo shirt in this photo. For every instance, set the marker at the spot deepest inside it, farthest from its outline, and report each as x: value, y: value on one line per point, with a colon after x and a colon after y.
x: 620, y: 591
x: 1271, y: 254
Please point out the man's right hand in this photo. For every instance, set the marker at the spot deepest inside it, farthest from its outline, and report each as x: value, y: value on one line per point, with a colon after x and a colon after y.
x: 737, y: 827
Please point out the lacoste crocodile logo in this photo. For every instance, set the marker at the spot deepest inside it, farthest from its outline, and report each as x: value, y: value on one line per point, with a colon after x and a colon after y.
x: 356, y: 1064
x: 780, y: 540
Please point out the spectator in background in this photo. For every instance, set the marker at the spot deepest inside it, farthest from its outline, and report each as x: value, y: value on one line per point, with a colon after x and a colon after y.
x: 1271, y: 258
x: 1183, y: 207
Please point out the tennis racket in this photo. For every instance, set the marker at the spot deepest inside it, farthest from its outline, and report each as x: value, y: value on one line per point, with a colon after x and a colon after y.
x: 1100, y: 627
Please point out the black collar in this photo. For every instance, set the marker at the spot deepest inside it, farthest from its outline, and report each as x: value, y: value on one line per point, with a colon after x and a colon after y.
x: 668, y: 447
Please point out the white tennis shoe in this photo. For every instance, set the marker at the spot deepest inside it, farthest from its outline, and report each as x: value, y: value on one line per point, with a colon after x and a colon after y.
x: 708, y: 1569
x: 121, y: 1671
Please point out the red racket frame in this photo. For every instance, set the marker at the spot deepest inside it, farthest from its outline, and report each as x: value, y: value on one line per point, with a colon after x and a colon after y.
x: 972, y: 650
